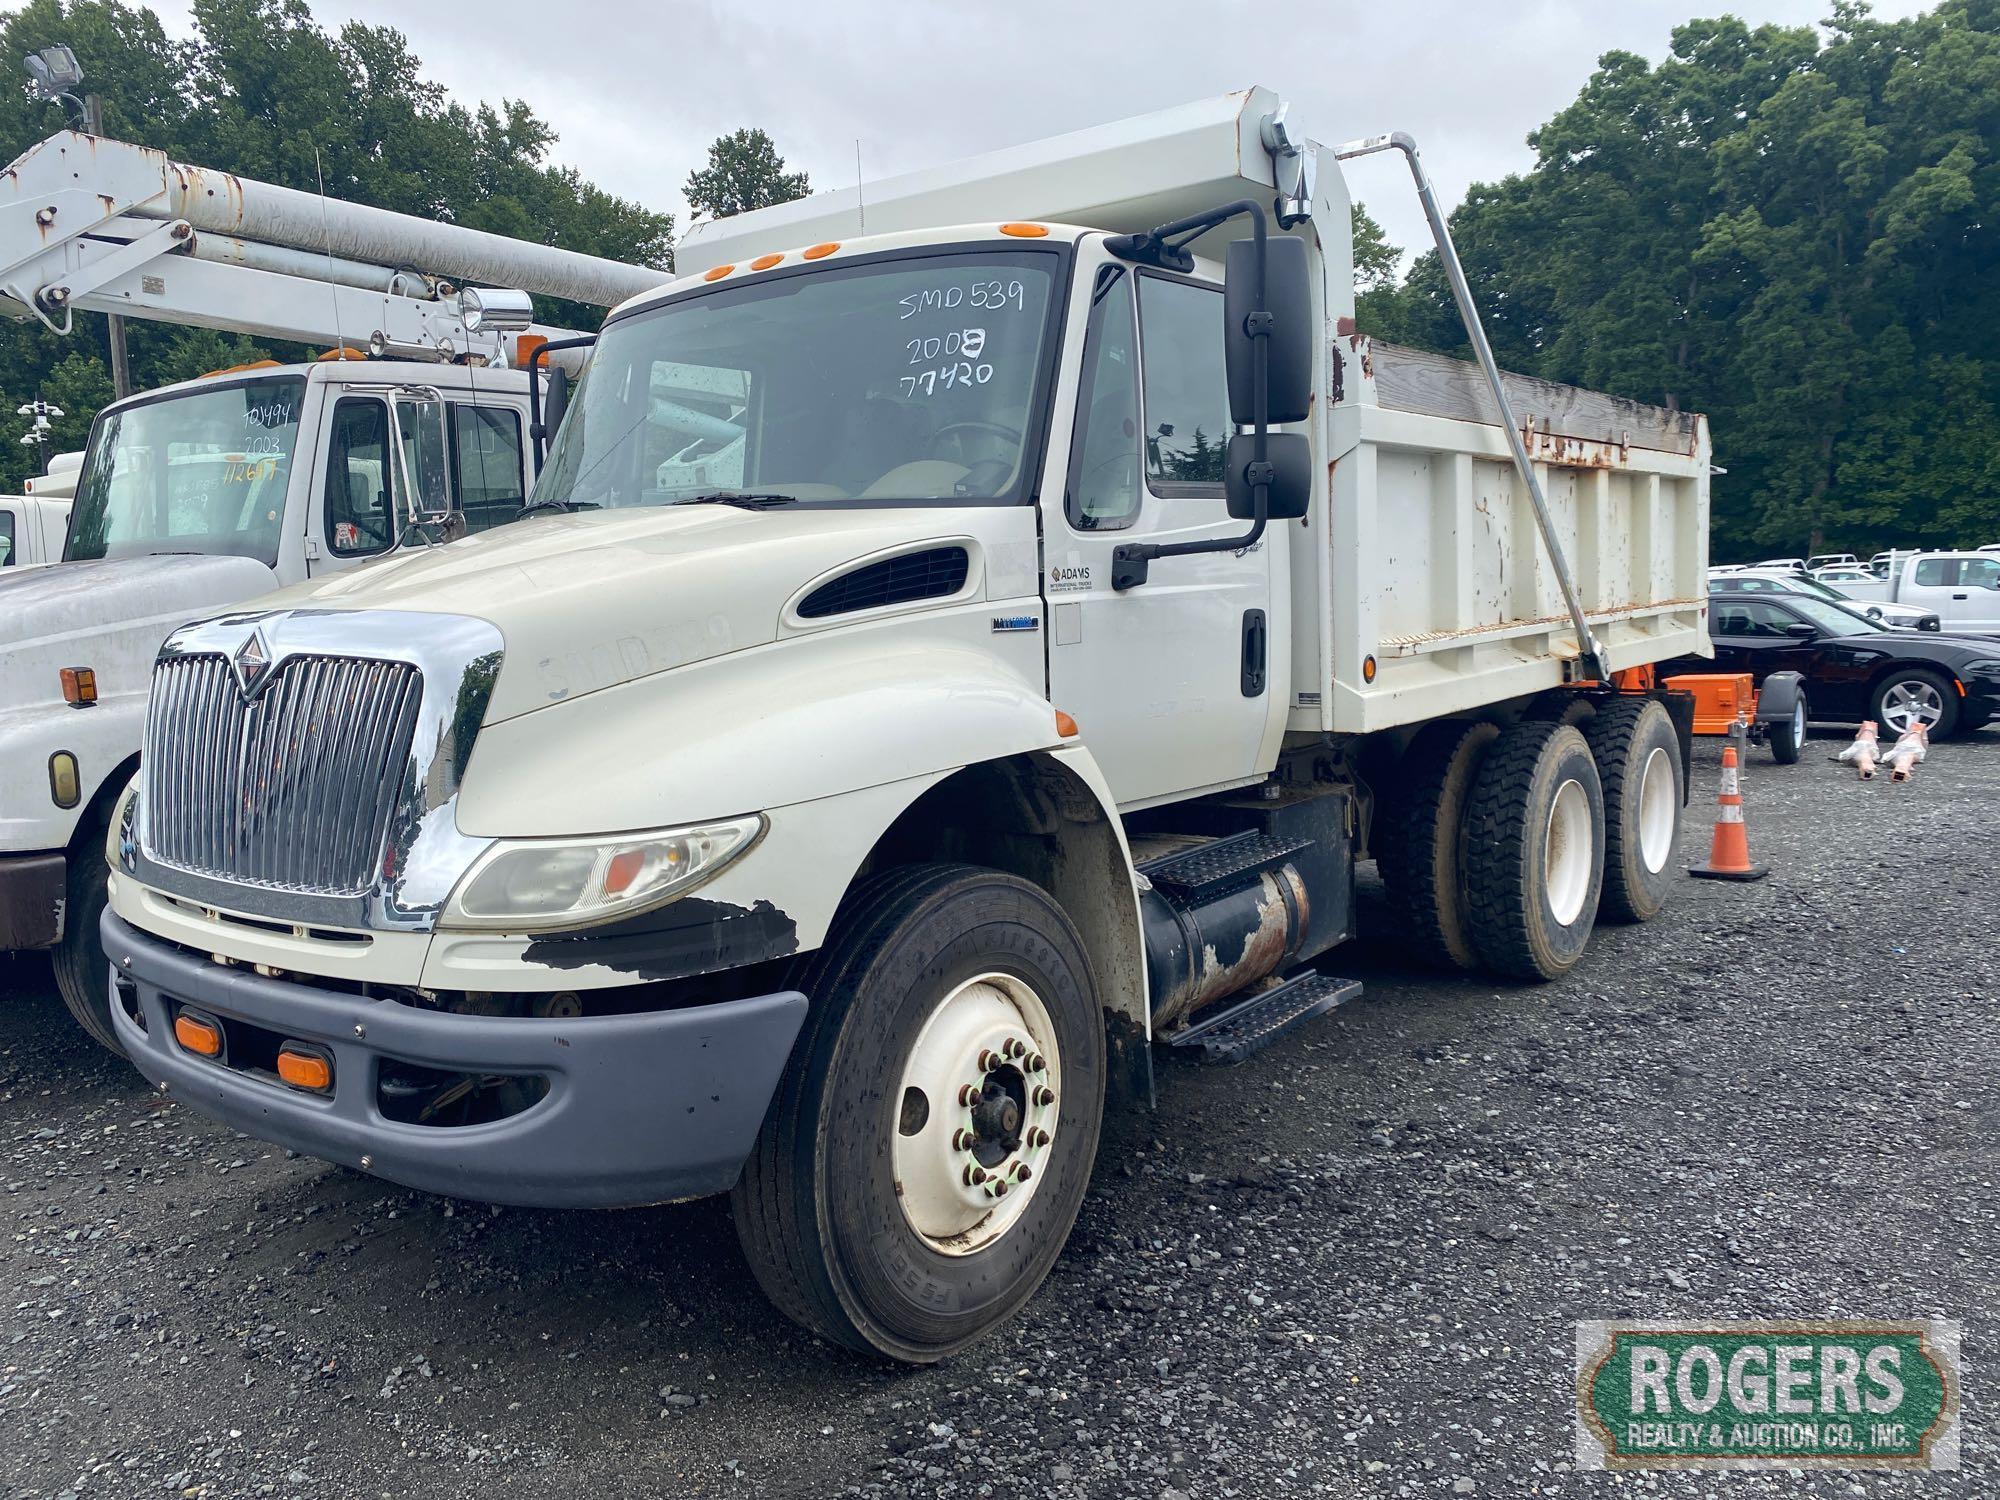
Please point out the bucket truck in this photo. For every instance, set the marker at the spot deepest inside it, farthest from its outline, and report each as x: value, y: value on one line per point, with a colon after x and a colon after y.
x: 209, y: 492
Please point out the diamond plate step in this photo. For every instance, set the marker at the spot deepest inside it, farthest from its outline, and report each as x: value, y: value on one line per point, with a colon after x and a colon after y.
x: 1212, y: 869
x: 1251, y: 1025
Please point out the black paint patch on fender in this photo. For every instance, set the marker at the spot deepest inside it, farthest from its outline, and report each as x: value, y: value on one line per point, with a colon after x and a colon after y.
x: 683, y: 938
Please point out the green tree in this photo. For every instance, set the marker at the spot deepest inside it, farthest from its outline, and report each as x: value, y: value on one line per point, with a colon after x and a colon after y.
x: 1799, y: 236
x: 744, y: 171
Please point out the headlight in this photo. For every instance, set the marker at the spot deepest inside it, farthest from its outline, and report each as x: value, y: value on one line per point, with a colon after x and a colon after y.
x: 551, y: 884
x: 1987, y: 668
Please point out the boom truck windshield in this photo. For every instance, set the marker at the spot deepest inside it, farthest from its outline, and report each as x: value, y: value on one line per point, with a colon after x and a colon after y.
x: 944, y: 665
x: 206, y: 493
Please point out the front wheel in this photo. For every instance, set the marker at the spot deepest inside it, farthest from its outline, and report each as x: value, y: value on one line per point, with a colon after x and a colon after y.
x: 933, y: 1134
x: 1909, y: 696
x: 83, y: 973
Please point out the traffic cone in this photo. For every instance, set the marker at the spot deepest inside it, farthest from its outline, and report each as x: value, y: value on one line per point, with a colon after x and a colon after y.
x: 1729, y: 854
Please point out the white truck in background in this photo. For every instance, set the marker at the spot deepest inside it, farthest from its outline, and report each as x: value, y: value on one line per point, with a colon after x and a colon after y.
x: 196, y: 496
x: 1068, y: 599
x: 1961, y: 588
x: 32, y: 524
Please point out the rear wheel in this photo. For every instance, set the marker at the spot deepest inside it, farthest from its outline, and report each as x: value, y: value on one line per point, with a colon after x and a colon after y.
x: 1909, y: 696
x: 932, y: 1137
x: 1639, y: 763
x: 1420, y: 848
x: 83, y: 973
x: 1533, y: 861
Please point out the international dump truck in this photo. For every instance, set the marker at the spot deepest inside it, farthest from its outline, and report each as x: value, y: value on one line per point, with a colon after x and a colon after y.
x: 200, y: 495
x: 947, y: 665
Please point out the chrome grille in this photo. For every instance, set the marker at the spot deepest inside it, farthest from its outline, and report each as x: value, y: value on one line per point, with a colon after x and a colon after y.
x: 294, y: 788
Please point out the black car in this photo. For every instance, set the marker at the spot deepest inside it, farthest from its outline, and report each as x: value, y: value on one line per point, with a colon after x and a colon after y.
x: 1854, y: 669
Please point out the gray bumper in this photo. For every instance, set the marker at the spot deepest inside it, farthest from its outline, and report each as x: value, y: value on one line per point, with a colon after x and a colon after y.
x: 640, y: 1108
x: 31, y: 900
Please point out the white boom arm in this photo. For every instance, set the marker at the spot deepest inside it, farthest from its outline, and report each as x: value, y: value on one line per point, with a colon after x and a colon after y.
x: 111, y: 227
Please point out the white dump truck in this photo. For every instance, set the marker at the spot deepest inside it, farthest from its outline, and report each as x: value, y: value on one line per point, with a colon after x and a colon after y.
x: 196, y: 496
x: 974, y: 654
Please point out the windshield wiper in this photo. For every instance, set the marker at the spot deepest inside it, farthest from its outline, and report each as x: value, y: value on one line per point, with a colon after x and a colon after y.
x: 565, y: 506
x: 747, y: 499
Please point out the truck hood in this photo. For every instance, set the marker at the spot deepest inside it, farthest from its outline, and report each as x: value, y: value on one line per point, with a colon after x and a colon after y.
x: 109, y: 616
x: 588, y: 600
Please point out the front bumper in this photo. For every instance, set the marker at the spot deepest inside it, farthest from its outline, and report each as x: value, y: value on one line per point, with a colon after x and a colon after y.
x: 31, y: 900
x: 641, y: 1108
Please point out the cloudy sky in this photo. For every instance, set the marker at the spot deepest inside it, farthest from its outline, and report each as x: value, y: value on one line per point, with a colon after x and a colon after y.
x: 637, y: 88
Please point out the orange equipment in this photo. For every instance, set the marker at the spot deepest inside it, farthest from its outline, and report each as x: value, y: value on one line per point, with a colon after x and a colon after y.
x: 1721, y: 699
x: 1729, y: 853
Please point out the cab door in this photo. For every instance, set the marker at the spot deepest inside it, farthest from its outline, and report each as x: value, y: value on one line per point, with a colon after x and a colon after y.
x: 1171, y: 682
x: 1974, y: 599
x: 358, y: 510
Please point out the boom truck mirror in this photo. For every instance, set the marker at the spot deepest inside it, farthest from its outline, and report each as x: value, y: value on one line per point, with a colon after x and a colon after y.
x: 422, y: 455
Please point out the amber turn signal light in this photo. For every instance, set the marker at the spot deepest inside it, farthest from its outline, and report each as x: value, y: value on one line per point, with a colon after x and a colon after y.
x: 79, y: 686
x: 198, y: 1035
x: 310, y: 1071
x: 1066, y: 726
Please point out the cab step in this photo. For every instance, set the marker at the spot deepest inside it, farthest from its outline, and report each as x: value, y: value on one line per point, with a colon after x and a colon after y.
x: 1216, y: 868
x: 1249, y: 1026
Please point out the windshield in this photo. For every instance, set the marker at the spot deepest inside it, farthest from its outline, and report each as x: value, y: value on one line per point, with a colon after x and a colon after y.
x: 1836, y: 618
x: 912, y: 378
x: 201, y: 471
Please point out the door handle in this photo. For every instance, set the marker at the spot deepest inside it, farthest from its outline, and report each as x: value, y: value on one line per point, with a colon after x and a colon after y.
x: 1253, y: 653
x: 1961, y: 596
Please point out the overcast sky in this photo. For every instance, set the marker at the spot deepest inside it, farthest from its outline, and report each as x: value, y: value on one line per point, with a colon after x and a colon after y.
x: 637, y: 89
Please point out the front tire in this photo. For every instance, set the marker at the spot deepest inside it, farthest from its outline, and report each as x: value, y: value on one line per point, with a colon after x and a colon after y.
x: 1420, y: 846
x: 1534, y: 842
x: 1910, y: 694
x: 1639, y: 762
x: 83, y: 973
x: 953, y: 1018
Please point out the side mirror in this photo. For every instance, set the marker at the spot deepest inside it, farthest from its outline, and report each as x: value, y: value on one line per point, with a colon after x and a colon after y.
x: 423, y: 454
x: 1800, y: 631
x: 1288, y: 295
x: 1291, y: 461
x: 555, y: 401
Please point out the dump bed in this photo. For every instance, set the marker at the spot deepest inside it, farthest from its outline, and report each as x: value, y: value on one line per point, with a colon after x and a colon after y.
x: 1430, y: 575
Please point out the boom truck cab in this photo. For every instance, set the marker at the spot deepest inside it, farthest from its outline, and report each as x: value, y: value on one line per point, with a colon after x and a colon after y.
x: 968, y: 656
x: 203, y: 494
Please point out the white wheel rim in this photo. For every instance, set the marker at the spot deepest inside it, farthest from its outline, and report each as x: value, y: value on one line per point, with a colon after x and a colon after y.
x: 1567, y: 855
x: 1659, y: 810
x: 1799, y: 722
x: 1910, y: 703
x: 963, y: 1177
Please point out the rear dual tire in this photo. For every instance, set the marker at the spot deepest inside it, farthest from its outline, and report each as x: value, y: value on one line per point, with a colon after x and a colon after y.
x: 1638, y: 756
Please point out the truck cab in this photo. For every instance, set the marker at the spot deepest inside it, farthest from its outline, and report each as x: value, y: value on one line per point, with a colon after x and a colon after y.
x: 187, y: 500
x: 31, y: 530
x: 946, y: 663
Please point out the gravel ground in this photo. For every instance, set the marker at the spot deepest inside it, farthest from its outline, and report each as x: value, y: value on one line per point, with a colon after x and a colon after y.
x: 1349, y: 1267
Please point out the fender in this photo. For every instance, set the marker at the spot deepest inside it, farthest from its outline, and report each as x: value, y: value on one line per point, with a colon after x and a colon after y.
x: 795, y: 721
x: 102, y: 738
x: 1778, y: 696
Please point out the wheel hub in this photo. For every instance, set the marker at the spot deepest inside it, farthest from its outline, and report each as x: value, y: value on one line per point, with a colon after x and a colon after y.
x: 978, y: 1113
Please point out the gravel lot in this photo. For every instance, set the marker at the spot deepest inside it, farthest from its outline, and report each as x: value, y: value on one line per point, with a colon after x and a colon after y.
x: 1349, y: 1267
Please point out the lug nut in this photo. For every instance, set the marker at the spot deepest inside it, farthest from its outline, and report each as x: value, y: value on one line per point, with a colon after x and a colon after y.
x: 1037, y: 1064
x: 974, y: 1175
x: 1022, y: 1171
x: 1044, y: 1095
x: 961, y: 1140
x: 968, y: 1094
x: 1015, y: 1046
x: 1038, y: 1137
x: 999, y: 1189
x: 988, y: 1060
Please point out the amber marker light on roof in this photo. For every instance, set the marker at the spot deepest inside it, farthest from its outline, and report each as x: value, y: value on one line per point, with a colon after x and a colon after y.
x: 765, y: 262
x: 716, y: 273
x: 1025, y: 231
x: 820, y: 252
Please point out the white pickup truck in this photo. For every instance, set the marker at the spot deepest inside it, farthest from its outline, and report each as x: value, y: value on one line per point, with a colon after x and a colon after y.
x: 1071, y: 598
x: 1961, y: 588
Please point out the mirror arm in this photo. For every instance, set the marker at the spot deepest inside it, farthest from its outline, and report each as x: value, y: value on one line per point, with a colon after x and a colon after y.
x: 1132, y: 561
x: 538, y: 432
